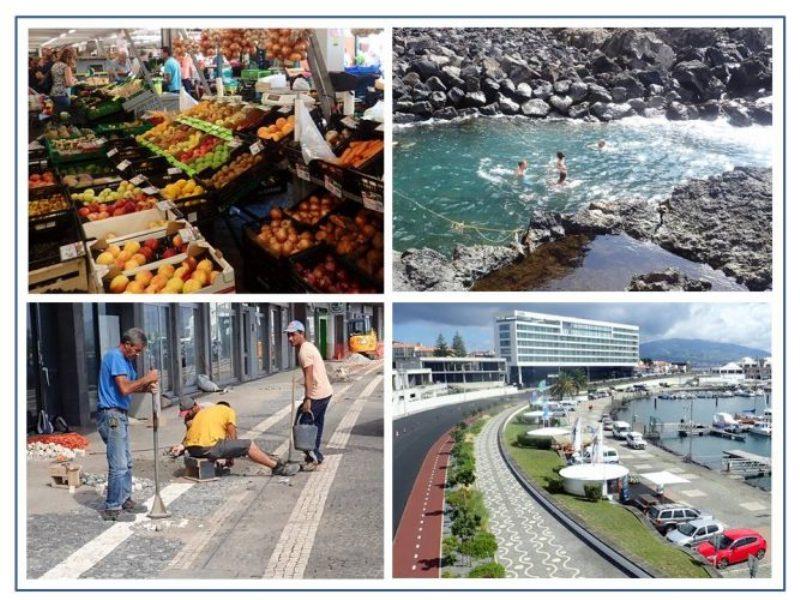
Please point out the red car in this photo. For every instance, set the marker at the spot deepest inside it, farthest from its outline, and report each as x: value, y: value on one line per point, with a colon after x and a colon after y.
x: 734, y: 546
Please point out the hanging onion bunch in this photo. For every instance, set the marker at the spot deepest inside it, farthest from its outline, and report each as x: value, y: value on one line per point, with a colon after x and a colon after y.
x: 288, y: 45
x: 181, y: 47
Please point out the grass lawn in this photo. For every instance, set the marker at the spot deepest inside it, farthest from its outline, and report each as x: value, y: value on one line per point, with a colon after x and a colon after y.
x: 612, y: 522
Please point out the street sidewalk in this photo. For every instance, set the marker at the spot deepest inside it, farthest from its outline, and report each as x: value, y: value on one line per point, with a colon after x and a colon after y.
x: 245, y: 524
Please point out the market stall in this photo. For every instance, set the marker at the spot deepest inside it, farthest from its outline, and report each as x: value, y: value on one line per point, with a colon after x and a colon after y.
x: 278, y: 192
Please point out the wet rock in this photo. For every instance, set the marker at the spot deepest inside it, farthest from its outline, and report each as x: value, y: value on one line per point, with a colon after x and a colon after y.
x: 696, y: 77
x: 761, y: 113
x: 561, y: 87
x: 426, y: 269
x: 611, y: 112
x: 666, y: 281
x: 640, y: 49
x: 422, y: 109
x: 491, y: 89
x: 507, y: 105
x: 447, y: 113
x: 490, y: 109
x: 455, y: 96
x: 619, y: 94
x: 737, y: 115
x: 535, y: 108
x: 435, y: 84
x: 400, y: 118
x: 544, y: 90
x: 578, y: 90
x: 474, y: 99
x: 560, y: 103
x: 524, y: 92
x: 425, y: 68
x: 438, y: 100
x: 677, y: 112
x: 750, y: 76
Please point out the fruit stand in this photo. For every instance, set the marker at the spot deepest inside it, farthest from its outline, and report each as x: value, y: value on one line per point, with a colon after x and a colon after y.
x: 116, y: 208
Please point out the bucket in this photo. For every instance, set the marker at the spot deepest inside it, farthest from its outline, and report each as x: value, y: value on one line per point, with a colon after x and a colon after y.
x: 304, y: 434
x: 158, y: 85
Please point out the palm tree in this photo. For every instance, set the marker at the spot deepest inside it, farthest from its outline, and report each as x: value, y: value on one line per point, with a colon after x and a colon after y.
x: 580, y: 379
x: 564, y: 385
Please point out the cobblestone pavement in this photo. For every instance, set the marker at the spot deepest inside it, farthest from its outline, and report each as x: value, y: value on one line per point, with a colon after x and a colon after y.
x: 247, y: 524
x: 531, y: 543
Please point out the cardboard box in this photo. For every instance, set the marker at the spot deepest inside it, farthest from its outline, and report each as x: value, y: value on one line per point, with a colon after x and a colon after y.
x: 130, y: 224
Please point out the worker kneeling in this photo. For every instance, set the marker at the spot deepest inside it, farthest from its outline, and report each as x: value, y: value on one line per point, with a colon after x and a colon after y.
x: 211, y: 434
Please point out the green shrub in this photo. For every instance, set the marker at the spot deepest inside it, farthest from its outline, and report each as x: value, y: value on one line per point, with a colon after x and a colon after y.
x: 482, y: 545
x: 465, y: 524
x: 593, y: 493
x: 449, y: 549
x: 449, y: 575
x: 555, y: 485
x: 490, y: 570
x: 529, y: 442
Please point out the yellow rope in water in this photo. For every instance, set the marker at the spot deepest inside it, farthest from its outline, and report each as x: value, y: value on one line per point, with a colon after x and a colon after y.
x: 461, y: 226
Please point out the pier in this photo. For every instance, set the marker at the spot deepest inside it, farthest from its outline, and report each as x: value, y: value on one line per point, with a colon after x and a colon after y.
x: 747, y: 464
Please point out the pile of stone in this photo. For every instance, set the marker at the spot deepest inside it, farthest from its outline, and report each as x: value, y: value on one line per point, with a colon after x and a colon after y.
x: 669, y: 280
x: 42, y: 451
x: 589, y: 74
x: 99, y: 481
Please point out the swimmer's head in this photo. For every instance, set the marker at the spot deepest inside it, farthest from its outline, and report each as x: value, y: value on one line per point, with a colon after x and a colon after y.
x: 601, y: 143
x: 522, y: 163
x: 560, y: 155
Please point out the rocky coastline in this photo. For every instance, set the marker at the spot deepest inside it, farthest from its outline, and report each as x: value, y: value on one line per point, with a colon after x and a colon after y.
x: 588, y: 74
x: 723, y: 221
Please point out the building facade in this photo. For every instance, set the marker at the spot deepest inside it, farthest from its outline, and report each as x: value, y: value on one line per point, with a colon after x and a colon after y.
x: 229, y: 342
x: 466, y: 372
x: 538, y: 346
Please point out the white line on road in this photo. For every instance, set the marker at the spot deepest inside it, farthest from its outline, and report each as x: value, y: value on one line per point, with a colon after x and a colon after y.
x: 97, y: 549
x: 290, y: 556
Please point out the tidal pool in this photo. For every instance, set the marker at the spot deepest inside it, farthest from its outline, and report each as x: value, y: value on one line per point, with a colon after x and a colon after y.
x: 465, y: 171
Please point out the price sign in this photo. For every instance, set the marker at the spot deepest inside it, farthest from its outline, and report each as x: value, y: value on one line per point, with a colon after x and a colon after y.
x: 255, y: 148
x: 174, y: 171
x: 112, y: 152
x: 43, y: 226
x: 138, y: 179
x: 150, y: 190
x: 71, y: 251
x: 101, y: 140
x: 164, y: 205
x: 302, y: 171
x: 235, y: 143
x: 334, y: 187
x: 123, y: 165
x: 187, y: 235
x: 192, y: 217
x: 372, y: 201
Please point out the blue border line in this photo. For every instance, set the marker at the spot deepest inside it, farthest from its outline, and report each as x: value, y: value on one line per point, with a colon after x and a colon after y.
x: 781, y: 18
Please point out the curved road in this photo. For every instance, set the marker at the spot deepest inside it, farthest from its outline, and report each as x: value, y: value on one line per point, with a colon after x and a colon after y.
x: 531, y: 542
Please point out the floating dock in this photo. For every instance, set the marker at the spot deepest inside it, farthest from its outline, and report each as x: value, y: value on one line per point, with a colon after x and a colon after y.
x: 747, y: 463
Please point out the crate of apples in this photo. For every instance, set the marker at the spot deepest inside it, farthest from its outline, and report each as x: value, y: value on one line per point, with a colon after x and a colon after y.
x: 190, y: 276
x: 37, y: 180
x: 328, y: 276
x: 239, y: 165
x: 281, y: 238
x: 97, y: 211
x: 352, y: 236
x: 312, y: 210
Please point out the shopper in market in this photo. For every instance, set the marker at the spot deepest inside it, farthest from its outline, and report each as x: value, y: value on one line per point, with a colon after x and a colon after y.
x: 118, y: 379
x: 41, y: 73
x: 172, y: 71
x: 318, y: 390
x: 63, y: 78
x: 187, y: 73
x: 211, y: 434
x: 121, y: 67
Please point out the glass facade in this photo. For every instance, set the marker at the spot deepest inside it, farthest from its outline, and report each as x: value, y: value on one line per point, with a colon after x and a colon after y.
x: 221, y: 321
x: 533, y: 339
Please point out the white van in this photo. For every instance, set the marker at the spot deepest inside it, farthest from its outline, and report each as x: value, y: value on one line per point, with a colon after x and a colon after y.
x: 619, y: 429
x: 635, y: 440
x: 610, y: 456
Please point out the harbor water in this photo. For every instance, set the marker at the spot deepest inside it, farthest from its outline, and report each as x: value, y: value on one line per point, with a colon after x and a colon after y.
x: 706, y: 449
x: 465, y: 170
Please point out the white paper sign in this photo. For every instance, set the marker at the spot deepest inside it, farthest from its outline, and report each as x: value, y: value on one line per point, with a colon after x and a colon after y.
x: 174, y: 171
x: 150, y: 190
x: 187, y: 235
x: 112, y: 152
x: 71, y: 251
x: 302, y: 171
x: 123, y: 165
x: 138, y: 179
x: 334, y: 187
x: 255, y: 148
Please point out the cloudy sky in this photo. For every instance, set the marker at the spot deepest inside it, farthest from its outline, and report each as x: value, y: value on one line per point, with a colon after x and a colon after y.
x: 748, y: 324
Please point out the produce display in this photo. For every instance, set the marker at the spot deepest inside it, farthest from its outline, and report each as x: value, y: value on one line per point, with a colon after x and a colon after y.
x: 125, y: 90
x: 310, y: 211
x: 358, y: 153
x: 230, y: 116
x: 37, y: 180
x: 65, y: 132
x: 182, y: 188
x: 232, y: 170
x: 187, y: 145
x: 278, y: 130
x: 329, y: 277
x: 73, y: 147
x: 281, y: 238
x: 136, y: 254
x: 352, y: 236
x: 190, y: 276
x: 124, y: 191
x: 288, y: 45
x: 98, y: 211
x: 45, y: 206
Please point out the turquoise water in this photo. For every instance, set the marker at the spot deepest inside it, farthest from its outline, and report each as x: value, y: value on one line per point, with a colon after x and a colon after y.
x: 705, y: 449
x: 466, y: 170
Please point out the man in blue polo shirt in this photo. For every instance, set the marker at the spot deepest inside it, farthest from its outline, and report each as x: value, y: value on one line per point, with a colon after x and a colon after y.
x: 116, y: 382
x: 172, y: 70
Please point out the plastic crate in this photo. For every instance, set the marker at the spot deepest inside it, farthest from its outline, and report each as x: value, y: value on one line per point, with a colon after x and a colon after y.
x: 317, y: 255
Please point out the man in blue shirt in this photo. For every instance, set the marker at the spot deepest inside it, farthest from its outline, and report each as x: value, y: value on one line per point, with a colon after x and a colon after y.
x: 172, y: 70
x: 116, y: 382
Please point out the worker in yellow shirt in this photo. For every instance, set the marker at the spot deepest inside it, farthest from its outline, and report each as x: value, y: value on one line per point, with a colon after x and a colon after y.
x: 211, y: 434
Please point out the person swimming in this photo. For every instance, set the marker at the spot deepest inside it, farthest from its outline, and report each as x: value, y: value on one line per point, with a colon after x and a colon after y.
x: 521, y: 166
x: 561, y: 167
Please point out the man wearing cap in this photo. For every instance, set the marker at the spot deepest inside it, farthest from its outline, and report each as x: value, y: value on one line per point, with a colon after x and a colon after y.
x: 211, y: 434
x: 115, y: 384
x: 318, y: 390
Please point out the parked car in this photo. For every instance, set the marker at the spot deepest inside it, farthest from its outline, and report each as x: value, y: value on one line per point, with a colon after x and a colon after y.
x: 692, y: 533
x: 666, y: 517
x: 733, y: 546
x: 635, y: 440
x: 569, y: 404
x: 606, y: 420
x: 619, y: 429
x: 610, y: 455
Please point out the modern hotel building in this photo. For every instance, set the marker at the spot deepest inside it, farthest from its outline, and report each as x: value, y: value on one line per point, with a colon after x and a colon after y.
x: 537, y: 346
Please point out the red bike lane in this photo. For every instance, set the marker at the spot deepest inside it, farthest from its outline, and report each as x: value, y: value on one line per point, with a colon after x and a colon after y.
x: 416, y: 550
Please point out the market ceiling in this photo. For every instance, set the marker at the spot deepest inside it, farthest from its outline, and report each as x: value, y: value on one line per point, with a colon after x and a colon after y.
x: 63, y: 37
